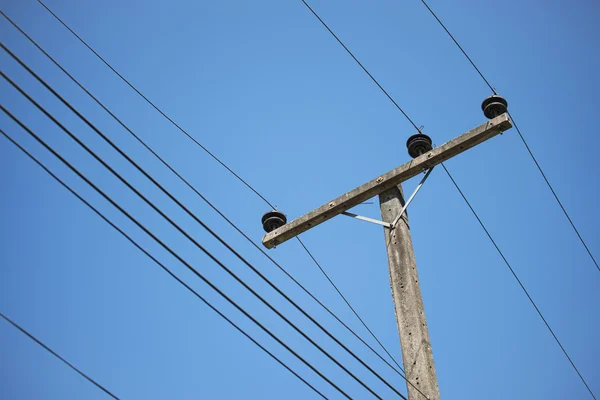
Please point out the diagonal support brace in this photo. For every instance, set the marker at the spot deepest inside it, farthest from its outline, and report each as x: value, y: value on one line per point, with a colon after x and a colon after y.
x: 412, y: 196
x: 367, y: 219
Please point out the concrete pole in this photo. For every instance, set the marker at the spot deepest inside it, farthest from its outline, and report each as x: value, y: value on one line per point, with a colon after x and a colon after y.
x: 417, y: 355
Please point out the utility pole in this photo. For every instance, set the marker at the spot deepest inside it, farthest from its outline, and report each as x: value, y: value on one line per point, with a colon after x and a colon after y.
x: 417, y: 355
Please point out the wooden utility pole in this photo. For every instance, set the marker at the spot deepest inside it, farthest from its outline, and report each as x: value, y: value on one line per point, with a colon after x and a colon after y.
x: 417, y: 355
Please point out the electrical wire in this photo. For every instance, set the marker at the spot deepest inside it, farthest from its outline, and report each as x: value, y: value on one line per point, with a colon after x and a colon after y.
x: 554, y: 193
x: 166, y: 269
x: 126, y: 81
x: 537, y: 164
x: 459, y: 46
x: 189, y: 237
x: 199, y: 246
x: 158, y: 109
x: 225, y: 217
x: 350, y: 306
x: 359, y: 318
x: 169, y: 250
x: 512, y: 271
x: 547, y: 183
x: 360, y: 64
x: 205, y: 149
x: 55, y: 354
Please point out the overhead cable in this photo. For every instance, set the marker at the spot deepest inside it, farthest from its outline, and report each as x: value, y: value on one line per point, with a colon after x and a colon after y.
x: 512, y: 271
x: 352, y: 309
x: 587, y: 249
x: 459, y: 46
x: 166, y: 269
x: 537, y: 164
x: 164, y: 162
x: 169, y: 250
x: 55, y: 354
x: 198, y: 143
x: 159, y: 110
x: 188, y: 236
x: 362, y: 66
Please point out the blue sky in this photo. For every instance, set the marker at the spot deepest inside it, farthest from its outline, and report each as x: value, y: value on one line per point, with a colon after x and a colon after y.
x: 266, y: 88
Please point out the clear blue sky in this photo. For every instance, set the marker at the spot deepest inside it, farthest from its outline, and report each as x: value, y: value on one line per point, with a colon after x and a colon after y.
x: 267, y: 89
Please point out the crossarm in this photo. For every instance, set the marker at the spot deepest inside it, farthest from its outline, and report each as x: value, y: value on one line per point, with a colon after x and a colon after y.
x: 392, y: 178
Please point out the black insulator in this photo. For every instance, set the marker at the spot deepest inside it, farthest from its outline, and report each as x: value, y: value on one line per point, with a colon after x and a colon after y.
x: 273, y: 220
x: 418, y: 144
x: 494, y: 105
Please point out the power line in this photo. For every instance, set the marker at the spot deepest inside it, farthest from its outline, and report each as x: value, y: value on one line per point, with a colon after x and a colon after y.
x: 352, y: 308
x: 360, y: 64
x: 522, y: 139
x: 158, y: 109
x: 225, y: 217
x: 189, y: 237
x: 547, y: 183
x: 518, y: 280
x: 168, y: 249
x: 208, y: 152
x: 459, y: 46
x: 358, y: 316
x: 55, y: 354
x: 554, y: 193
x: 167, y: 270
x: 199, y: 246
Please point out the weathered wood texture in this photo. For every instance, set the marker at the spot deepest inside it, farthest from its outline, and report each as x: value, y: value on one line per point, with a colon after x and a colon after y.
x: 417, y: 355
x: 388, y: 180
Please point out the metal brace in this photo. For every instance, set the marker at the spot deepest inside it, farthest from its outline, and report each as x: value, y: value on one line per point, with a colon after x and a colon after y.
x: 393, y: 224
x: 367, y: 219
x: 412, y: 196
